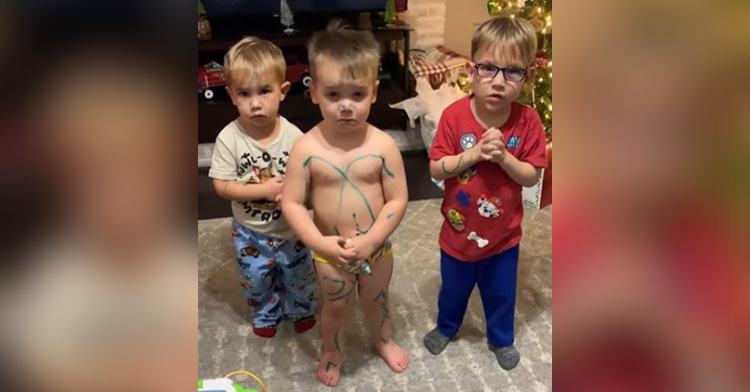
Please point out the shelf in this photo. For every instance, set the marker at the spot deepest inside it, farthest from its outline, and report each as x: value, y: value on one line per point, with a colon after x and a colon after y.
x: 298, y: 38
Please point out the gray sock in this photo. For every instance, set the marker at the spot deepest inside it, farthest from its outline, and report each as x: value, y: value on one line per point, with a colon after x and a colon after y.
x: 508, y: 357
x: 436, y: 341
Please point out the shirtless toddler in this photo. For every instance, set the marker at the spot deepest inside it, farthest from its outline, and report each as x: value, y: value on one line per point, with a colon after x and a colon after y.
x: 352, y: 176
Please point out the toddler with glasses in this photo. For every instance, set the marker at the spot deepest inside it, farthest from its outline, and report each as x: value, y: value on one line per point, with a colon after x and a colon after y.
x: 486, y: 149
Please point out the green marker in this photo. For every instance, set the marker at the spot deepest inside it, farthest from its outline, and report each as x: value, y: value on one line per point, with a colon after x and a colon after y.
x: 365, y: 267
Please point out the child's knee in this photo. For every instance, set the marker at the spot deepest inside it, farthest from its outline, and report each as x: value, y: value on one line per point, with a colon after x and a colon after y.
x: 337, y: 308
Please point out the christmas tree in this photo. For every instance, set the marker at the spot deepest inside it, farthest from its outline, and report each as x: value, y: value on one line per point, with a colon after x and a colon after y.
x: 538, y: 93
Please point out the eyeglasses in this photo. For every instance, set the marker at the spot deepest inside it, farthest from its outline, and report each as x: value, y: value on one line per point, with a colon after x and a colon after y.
x: 511, y: 74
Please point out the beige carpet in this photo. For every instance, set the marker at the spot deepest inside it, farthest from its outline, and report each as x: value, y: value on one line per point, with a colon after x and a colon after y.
x: 287, y: 363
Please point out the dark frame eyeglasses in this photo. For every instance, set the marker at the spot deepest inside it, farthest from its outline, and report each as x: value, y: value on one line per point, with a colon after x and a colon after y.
x: 511, y: 74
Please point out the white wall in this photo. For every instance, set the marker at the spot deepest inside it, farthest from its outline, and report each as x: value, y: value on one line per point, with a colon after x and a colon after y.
x: 427, y: 18
x: 463, y: 18
x: 445, y: 22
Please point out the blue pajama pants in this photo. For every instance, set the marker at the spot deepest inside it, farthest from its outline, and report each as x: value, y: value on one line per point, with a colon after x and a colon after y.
x: 277, y: 276
x: 496, y: 277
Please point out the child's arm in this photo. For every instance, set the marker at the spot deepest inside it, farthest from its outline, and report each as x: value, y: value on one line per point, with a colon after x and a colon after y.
x: 293, y: 207
x: 223, y: 172
x: 294, y: 196
x: 396, y: 195
x: 233, y: 190
x: 450, y: 163
x: 523, y: 173
x: 453, y: 165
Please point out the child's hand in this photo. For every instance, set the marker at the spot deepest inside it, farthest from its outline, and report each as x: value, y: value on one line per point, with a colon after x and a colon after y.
x: 491, y: 149
x: 273, y: 189
x: 332, y: 249
x: 363, y: 246
x: 492, y: 134
x: 492, y: 146
x: 496, y: 151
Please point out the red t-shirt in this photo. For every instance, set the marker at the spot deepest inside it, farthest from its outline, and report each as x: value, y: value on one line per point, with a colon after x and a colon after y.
x: 484, y: 200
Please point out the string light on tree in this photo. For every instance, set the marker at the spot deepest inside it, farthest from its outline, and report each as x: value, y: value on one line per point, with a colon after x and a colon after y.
x: 504, y: 7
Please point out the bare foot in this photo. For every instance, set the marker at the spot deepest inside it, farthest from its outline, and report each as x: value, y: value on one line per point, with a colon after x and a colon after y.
x: 329, y: 368
x: 394, y: 356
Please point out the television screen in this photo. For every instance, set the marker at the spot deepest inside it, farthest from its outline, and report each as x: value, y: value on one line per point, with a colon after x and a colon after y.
x: 336, y: 5
x: 241, y: 7
x: 272, y: 7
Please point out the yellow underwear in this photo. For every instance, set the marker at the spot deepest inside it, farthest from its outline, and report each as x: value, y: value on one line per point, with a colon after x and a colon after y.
x: 386, y: 250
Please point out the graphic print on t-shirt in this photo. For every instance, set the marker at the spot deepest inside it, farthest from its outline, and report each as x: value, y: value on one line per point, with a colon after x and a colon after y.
x: 490, y: 207
x: 261, y: 176
x: 263, y: 170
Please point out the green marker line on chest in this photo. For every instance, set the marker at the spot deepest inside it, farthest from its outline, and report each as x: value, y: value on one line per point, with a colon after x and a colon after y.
x: 344, y: 173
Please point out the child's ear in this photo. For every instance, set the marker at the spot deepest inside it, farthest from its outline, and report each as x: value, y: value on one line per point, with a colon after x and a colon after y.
x: 285, y: 89
x: 530, y: 75
x: 313, y: 92
x: 375, y: 91
x: 470, y: 71
x: 231, y: 94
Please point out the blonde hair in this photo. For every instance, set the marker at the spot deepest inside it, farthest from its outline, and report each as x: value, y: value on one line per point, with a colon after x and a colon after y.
x: 253, y: 58
x: 516, y: 35
x: 357, y: 52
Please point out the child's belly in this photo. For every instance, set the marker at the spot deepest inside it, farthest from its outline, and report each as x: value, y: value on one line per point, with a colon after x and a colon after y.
x: 344, y: 209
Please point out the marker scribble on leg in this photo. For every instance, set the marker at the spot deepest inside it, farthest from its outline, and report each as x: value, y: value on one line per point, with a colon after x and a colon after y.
x: 336, y: 342
x: 343, y: 295
x: 337, y: 281
x: 386, y: 313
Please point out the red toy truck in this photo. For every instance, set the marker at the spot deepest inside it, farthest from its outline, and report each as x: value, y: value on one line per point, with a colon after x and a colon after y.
x: 210, y: 76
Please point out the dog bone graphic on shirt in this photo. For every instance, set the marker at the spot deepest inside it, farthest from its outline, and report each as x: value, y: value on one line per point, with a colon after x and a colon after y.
x: 481, y: 242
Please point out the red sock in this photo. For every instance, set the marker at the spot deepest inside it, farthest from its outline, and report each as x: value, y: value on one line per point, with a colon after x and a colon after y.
x: 304, y: 324
x: 265, y: 332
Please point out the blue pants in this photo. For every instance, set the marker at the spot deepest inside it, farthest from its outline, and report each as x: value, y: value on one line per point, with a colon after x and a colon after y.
x: 277, y: 276
x: 496, y: 277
